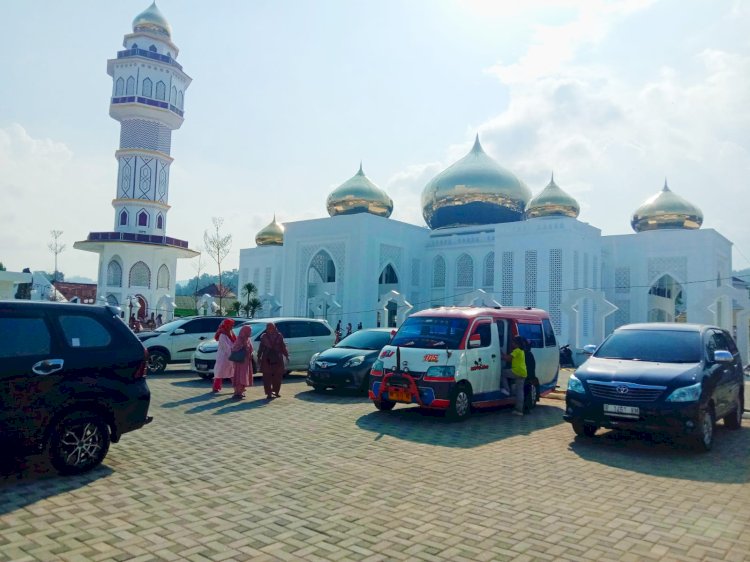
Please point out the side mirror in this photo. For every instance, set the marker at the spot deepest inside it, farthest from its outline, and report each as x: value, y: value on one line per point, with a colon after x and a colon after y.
x: 589, y: 349
x: 178, y: 332
x: 723, y: 356
x: 475, y: 340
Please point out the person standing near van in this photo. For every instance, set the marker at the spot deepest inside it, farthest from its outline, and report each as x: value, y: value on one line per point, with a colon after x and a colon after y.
x: 271, y: 355
x: 224, y: 369
x: 243, y: 370
x: 517, y: 373
x: 530, y: 363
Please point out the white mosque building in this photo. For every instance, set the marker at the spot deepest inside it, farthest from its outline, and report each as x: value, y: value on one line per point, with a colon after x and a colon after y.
x: 137, y: 260
x: 489, y: 242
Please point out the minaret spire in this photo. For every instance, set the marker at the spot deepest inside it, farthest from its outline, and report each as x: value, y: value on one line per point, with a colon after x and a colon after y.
x: 666, y: 187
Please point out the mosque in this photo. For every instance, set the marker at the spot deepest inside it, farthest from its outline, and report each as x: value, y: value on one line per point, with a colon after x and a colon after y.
x: 490, y: 242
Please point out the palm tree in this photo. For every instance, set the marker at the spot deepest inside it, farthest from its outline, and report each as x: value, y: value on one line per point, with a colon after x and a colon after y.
x: 249, y: 292
x: 254, y: 305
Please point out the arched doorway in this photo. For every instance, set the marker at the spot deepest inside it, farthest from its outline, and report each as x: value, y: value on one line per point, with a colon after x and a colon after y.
x: 321, y: 285
x: 667, y: 300
x: 143, y: 304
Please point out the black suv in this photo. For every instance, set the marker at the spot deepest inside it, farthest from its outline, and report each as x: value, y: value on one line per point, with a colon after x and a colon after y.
x: 679, y: 378
x: 71, y: 381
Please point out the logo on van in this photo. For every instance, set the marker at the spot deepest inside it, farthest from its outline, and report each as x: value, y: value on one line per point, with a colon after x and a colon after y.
x: 430, y: 358
x: 387, y: 353
x: 479, y: 366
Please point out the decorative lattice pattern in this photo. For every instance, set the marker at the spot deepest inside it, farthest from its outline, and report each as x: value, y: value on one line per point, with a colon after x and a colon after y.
x: 676, y: 267
x: 555, y: 288
x: 144, y: 183
x: 438, y: 272
x: 586, y: 282
x: 531, y: 269
x: 126, y: 177
x: 267, y: 281
x: 415, y: 273
x: 595, y: 273
x: 576, y: 284
x: 140, y: 275
x: 162, y: 278
x: 161, y: 191
x: 256, y: 277
x: 586, y: 323
x: 114, y: 274
x: 112, y: 300
x: 622, y: 314
x: 622, y: 280
x: 507, y: 295
x: 390, y: 254
x: 337, y: 251
x: 464, y: 271
x: 489, y: 271
x: 141, y: 133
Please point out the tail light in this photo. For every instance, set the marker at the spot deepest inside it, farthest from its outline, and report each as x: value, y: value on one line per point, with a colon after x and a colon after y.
x: 140, y: 372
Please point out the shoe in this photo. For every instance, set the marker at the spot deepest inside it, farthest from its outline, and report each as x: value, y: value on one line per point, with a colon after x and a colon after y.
x: 269, y: 397
x: 277, y: 395
x: 237, y: 396
x: 517, y: 413
x: 215, y: 390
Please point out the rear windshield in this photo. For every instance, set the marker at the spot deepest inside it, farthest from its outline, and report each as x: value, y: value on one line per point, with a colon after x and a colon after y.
x: 365, y: 340
x: 652, y: 345
x: 431, y: 333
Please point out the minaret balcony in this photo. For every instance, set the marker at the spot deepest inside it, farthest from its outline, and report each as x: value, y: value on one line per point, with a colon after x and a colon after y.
x: 149, y: 101
x: 139, y: 238
x: 149, y: 55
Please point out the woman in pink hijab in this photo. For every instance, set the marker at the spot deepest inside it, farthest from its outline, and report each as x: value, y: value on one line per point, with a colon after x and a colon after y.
x: 223, y: 366
x: 243, y: 372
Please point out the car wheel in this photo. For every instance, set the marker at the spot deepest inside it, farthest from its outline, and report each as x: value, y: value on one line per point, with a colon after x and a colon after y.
x: 318, y: 388
x: 460, y: 405
x: 530, y: 395
x: 206, y: 376
x: 584, y: 429
x: 734, y: 419
x: 704, y: 439
x: 384, y: 405
x: 157, y: 362
x: 78, y: 443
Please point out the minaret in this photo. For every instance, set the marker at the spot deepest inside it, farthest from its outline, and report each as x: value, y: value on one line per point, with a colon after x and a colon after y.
x: 137, y: 260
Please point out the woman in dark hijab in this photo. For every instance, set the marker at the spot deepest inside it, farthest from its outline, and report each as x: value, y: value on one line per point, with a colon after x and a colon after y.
x: 272, y: 355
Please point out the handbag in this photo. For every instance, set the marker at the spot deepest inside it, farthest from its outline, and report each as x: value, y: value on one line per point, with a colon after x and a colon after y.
x: 238, y: 356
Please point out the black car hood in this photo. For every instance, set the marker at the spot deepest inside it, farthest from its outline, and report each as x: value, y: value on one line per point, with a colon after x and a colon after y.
x: 638, y: 372
x: 143, y: 336
x: 338, y: 354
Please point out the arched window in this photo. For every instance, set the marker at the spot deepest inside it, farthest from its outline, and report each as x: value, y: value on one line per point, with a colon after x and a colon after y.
x: 119, y: 87
x: 130, y: 87
x: 173, y: 99
x: 147, y: 89
x: 489, y: 270
x: 180, y: 99
x: 142, y: 218
x: 162, y: 278
x: 160, y: 90
x: 112, y: 300
x: 464, y: 271
x: 123, y: 218
x: 438, y: 272
x: 135, y: 46
x: 152, y: 48
x: 160, y: 221
x: 388, y: 276
x: 140, y: 275
x: 114, y: 274
x: 324, y: 266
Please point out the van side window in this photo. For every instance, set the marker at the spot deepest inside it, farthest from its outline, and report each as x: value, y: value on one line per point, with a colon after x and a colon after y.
x: 531, y: 332
x: 549, y: 333
x: 82, y: 331
x: 16, y: 340
x: 319, y: 329
x: 485, y: 332
x: 501, y: 333
x: 730, y: 342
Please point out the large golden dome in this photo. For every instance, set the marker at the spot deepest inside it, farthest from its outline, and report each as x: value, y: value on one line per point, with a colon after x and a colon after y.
x: 271, y: 235
x: 666, y: 210
x: 151, y: 19
x: 552, y: 202
x: 474, y: 190
x: 359, y: 195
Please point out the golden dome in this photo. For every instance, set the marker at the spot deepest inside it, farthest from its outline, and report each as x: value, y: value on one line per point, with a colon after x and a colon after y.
x: 271, y: 235
x: 151, y: 19
x: 359, y: 195
x: 474, y: 190
x: 552, y: 202
x: 666, y: 210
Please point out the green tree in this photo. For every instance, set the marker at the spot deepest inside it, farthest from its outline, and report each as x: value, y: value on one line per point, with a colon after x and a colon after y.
x: 235, y: 308
x: 249, y: 291
x: 252, y: 306
x: 2, y: 267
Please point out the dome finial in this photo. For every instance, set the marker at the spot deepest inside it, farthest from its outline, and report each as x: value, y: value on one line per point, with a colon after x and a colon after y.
x: 477, y: 145
x: 360, y: 173
x: 666, y: 187
x: 552, y: 179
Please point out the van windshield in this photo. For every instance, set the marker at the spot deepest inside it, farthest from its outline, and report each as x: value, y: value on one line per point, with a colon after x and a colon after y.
x: 431, y: 333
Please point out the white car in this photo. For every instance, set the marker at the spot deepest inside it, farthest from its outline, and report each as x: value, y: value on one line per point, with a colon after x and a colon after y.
x: 304, y: 337
x: 175, y: 341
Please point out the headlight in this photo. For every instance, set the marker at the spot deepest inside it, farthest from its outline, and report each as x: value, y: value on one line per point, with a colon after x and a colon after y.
x: 690, y: 393
x: 377, y: 368
x: 441, y: 372
x: 575, y: 385
x: 355, y: 361
x: 312, y: 360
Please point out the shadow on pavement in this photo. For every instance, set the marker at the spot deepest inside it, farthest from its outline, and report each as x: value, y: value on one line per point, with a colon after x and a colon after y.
x: 193, y: 383
x: 433, y: 428
x: 192, y: 400
x: 242, y: 405
x: 332, y: 396
x: 25, y: 480
x: 660, y: 455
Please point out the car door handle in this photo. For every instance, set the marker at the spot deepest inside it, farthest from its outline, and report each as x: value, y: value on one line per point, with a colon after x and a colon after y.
x: 47, y: 366
x: 201, y: 338
x: 494, y: 356
x: 312, y: 339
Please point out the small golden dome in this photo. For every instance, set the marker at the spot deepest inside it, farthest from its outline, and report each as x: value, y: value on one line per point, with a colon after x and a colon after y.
x: 666, y: 210
x: 271, y: 235
x: 151, y: 19
x: 474, y: 190
x: 359, y: 195
x: 552, y: 202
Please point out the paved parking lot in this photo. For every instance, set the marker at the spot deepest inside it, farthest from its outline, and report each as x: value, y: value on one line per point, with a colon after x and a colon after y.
x: 326, y: 477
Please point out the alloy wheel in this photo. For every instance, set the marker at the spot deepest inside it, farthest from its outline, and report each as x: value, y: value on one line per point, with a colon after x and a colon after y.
x: 81, y: 444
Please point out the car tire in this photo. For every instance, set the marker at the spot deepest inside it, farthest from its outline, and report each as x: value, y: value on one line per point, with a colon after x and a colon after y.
x: 384, y: 405
x: 703, y: 441
x: 157, y: 362
x: 206, y: 376
x: 460, y: 404
x: 530, y: 395
x: 78, y: 443
x: 318, y: 388
x: 734, y: 419
x: 582, y: 429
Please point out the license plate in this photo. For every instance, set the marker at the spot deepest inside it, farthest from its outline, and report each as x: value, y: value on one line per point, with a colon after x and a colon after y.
x: 199, y: 365
x: 617, y: 410
x: 399, y: 395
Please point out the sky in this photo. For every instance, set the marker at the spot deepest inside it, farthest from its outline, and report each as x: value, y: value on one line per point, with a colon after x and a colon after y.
x: 288, y: 97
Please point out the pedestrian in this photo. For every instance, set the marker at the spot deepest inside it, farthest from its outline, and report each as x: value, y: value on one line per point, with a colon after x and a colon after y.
x: 272, y: 354
x: 243, y: 369
x: 359, y: 325
x: 337, y: 333
x: 159, y: 321
x: 151, y: 323
x: 516, y: 373
x: 223, y: 368
x: 530, y: 364
x: 348, y: 329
